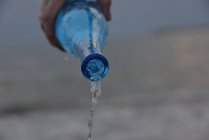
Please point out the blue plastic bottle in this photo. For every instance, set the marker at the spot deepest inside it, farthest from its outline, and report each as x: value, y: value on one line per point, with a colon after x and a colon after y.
x: 82, y: 31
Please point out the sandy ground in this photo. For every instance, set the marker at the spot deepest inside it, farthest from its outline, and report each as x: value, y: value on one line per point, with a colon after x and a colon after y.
x: 157, y: 89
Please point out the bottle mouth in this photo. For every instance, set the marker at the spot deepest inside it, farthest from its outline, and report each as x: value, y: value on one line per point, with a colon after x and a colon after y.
x: 95, y: 67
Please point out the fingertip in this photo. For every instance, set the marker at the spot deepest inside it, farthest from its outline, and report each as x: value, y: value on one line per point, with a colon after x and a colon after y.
x: 107, y: 14
x: 56, y: 44
x: 108, y: 18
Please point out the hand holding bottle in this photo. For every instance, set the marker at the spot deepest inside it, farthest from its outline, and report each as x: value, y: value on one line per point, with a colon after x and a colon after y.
x: 49, y: 11
x: 82, y: 30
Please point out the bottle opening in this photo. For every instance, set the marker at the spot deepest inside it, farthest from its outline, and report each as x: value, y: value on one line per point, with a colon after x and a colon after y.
x: 95, y: 67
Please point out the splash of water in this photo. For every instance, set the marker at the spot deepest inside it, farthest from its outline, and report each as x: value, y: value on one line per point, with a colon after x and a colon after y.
x: 95, y: 92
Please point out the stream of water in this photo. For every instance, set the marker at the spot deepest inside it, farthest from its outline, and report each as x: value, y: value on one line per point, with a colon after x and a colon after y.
x: 95, y: 92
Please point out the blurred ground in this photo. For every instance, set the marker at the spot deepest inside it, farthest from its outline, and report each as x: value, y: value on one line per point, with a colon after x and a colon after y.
x: 157, y: 89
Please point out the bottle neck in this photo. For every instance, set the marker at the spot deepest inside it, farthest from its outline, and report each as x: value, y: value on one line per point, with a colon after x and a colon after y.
x: 88, y: 51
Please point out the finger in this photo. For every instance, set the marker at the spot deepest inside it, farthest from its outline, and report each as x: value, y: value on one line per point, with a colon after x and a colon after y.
x: 48, y: 18
x: 54, y: 41
x: 106, y: 5
x: 50, y: 34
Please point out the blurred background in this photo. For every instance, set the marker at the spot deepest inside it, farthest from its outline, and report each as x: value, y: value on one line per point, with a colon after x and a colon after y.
x: 157, y: 88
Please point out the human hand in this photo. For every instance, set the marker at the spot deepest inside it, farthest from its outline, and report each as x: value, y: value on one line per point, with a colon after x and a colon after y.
x: 49, y: 11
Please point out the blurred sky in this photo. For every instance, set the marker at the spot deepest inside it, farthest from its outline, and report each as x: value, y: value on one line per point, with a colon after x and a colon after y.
x: 19, y: 18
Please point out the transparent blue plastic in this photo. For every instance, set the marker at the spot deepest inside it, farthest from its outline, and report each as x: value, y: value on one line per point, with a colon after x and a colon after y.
x: 82, y: 31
